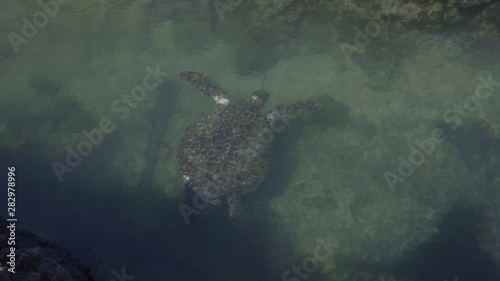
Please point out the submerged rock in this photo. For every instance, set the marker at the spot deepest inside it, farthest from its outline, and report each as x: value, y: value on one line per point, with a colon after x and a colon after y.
x: 37, y: 259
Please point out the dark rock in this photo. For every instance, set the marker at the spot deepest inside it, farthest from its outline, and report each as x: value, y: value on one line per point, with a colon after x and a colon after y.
x: 37, y: 259
x: 472, y: 3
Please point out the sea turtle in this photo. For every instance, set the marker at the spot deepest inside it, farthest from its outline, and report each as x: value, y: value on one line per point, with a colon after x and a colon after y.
x: 227, y: 152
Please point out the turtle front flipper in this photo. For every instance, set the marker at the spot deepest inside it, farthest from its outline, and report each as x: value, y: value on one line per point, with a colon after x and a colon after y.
x: 284, y: 112
x: 206, y: 86
x: 235, y: 207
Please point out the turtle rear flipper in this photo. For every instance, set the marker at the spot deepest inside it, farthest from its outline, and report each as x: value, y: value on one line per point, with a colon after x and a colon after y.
x: 206, y: 86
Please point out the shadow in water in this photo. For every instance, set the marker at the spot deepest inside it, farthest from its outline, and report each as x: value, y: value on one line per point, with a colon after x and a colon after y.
x: 454, y: 252
x: 109, y: 228
x: 285, y: 158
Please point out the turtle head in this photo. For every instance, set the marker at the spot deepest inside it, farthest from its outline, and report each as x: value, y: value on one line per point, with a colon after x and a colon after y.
x: 259, y: 97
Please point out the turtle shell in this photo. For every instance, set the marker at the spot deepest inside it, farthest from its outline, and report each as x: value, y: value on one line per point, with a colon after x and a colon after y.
x: 226, y: 152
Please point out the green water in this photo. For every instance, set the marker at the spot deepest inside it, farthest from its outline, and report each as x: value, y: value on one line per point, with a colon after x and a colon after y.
x: 405, y: 154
